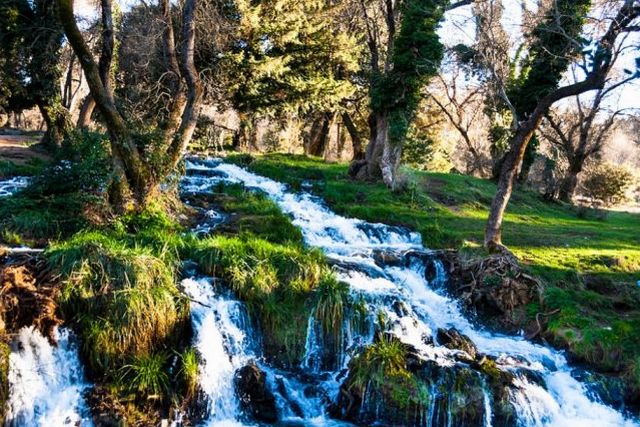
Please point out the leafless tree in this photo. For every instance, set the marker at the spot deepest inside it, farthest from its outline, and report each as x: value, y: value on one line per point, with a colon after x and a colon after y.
x: 463, y: 108
x: 580, y: 133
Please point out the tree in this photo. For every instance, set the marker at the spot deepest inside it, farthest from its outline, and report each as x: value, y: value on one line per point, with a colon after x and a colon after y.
x: 31, y: 50
x: 556, y: 43
x: 411, y: 58
x: 580, y: 133
x: 462, y: 107
x: 142, y: 161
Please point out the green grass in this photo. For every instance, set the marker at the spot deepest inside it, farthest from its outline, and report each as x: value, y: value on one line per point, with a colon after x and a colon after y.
x: 276, y: 283
x: 588, y: 266
x: 32, y: 167
x: 119, y: 293
x: 254, y: 213
x: 450, y: 211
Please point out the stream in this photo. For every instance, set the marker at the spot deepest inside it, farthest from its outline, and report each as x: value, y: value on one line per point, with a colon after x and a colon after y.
x: 46, y: 382
x: 351, y: 245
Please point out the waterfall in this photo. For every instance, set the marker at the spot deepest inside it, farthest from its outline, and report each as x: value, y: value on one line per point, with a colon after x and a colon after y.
x: 414, y: 306
x: 222, y: 339
x: 46, y: 382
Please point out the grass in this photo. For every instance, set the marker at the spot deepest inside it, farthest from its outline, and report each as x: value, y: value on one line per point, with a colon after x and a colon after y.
x: 32, y: 167
x: 589, y: 266
x: 380, y: 369
x: 275, y: 281
x: 119, y: 293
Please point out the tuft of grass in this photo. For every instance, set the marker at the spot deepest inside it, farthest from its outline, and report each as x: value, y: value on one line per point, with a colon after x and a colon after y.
x: 332, y: 300
x: 123, y: 299
x: 189, y: 372
x: 381, y: 368
x: 275, y: 281
x: 147, y: 375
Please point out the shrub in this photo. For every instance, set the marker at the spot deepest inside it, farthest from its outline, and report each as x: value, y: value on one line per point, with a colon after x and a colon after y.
x: 146, y: 375
x: 66, y: 197
x: 607, y: 184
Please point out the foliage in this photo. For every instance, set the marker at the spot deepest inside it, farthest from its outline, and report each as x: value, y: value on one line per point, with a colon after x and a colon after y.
x: 66, y: 197
x: 189, y: 372
x: 288, y: 57
x: 146, y: 375
x: 332, y: 300
x: 381, y: 368
x: 417, y: 52
x: 607, y: 184
x: 30, y: 168
x: 255, y: 213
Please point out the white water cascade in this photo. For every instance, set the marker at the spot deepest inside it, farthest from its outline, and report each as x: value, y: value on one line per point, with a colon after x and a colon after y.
x: 351, y: 244
x: 10, y: 186
x: 46, y: 382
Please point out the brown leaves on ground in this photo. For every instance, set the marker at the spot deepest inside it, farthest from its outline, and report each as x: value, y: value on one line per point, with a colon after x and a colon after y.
x: 27, y: 295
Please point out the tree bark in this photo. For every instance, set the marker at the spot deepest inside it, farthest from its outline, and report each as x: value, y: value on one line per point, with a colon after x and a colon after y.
x: 570, y: 182
x: 319, y: 137
x: 356, y: 140
x: 381, y: 158
x: 57, y: 120
x: 508, y: 175
x: 86, y: 110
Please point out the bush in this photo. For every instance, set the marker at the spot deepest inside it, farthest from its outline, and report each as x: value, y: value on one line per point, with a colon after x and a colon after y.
x: 607, y: 184
x: 65, y: 198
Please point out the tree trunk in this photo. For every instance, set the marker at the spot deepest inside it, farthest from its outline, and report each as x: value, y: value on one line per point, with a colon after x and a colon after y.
x: 570, y: 182
x: 319, y: 137
x: 356, y: 140
x: 508, y: 175
x: 57, y: 120
x: 382, y: 158
x: 84, y: 118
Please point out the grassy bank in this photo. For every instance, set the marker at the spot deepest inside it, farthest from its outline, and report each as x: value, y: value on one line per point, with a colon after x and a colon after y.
x: 589, y: 266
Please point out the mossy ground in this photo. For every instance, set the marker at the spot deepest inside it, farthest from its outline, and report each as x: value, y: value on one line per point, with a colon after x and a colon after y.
x: 589, y: 266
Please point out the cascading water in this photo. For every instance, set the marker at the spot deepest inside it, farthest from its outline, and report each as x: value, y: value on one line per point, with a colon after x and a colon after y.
x: 414, y: 309
x: 46, y: 382
x: 10, y: 186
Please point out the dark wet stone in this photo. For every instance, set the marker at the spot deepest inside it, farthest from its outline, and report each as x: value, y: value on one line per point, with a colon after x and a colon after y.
x: 256, y: 400
x: 453, y: 339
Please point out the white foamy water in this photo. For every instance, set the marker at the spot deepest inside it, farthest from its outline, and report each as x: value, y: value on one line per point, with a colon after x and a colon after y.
x: 11, y: 185
x: 564, y: 402
x: 220, y: 330
x: 46, y: 383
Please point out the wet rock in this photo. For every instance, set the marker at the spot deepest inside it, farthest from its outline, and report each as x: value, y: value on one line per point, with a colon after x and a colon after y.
x: 256, y: 400
x: 384, y: 258
x: 453, y: 339
x: 609, y: 389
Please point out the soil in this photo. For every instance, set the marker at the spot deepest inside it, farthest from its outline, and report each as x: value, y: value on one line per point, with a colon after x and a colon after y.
x: 19, y: 149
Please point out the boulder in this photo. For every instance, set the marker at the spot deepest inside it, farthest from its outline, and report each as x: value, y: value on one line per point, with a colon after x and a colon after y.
x: 453, y: 339
x: 256, y: 400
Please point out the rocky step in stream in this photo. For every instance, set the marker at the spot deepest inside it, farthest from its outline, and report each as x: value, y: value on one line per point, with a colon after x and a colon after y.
x: 467, y: 376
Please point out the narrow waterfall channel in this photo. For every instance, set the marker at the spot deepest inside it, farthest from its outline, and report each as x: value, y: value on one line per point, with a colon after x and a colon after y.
x: 543, y: 392
x: 46, y: 383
